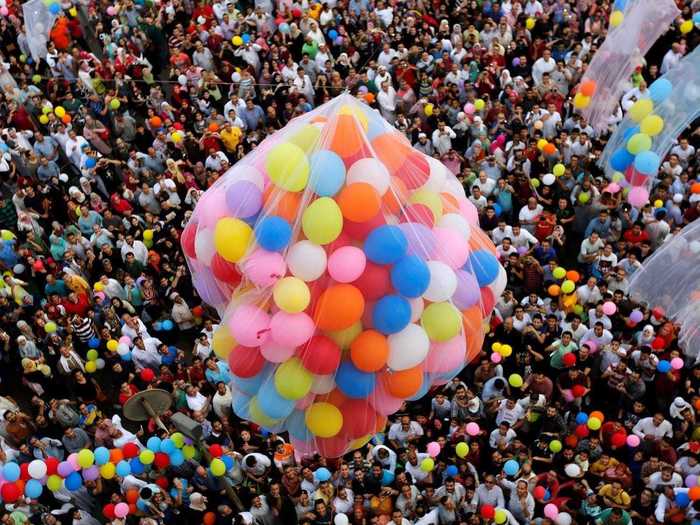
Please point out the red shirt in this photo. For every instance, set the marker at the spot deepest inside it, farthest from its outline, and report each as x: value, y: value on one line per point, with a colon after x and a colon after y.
x: 80, y: 308
x: 630, y: 237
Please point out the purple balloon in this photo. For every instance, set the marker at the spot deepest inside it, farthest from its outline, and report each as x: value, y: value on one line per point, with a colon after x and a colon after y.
x: 636, y: 316
x: 64, y: 469
x: 91, y: 474
x: 244, y: 199
x: 691, y: 480
x: 421, y: 241
x: 468, y: 292
x: 522, y: 250
x: 516, y: 62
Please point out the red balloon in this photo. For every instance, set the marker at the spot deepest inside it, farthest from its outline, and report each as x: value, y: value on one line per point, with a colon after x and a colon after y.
x: 10, y: 492
x: 360, y: 230
x: 245, y: 361
x: 488, y: 301
x: 332, y: 447
x: 539, y: 492
x: 658, y: 343
x: 147, y: 375
x: 320, y: 355
x: 578, y: 390
x: 209, y: 518
x: 571, y: 441
x: 582, y: 431
x: 198, y: 311
x: 108, y: 511
x: 359, y: 418
x: 224, y: 271
x: 130, y: 450
x: 24, y: 472
x: 618, y: 439
x: 162, y: 482
x: 216, y: 450
x: 419, y: 213
x: 51, y: 465
x: 569, y: 360
x: 161, y: 460
x: 658, y: 312
x: 187, y: 240
x: 415, y: 171
x: 374, y: 282
x: 487, y: 512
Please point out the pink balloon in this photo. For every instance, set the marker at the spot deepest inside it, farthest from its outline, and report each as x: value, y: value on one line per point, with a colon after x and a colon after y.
x: 73, y: 460
x: 551, y: 511
x: 121, y: 510
x: 452, y: 248
x: 633, y: 440
x: 264, y: 268
x: 346, y: 264
x: 592, y: 345
x: 676, y: 363
x: 447, y: 355
x: 433, y: 449
x: 276, y: 353
x: 125, y: 340
x: 4, y: 11
x: 469, y: 211
x: 383, y: 402
x: 609, y: 308
x: 638, y: 196
x: 291, y: 330
x: 111, y: 11
x: 250, y: 326
x: 212, y: 207
x: 469, y: 108
x: 496, y: 357
x: 473, y: 428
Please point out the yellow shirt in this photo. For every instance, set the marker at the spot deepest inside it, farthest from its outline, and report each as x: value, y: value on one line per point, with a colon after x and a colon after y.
x: 622, y: 497
x: 231, y: 138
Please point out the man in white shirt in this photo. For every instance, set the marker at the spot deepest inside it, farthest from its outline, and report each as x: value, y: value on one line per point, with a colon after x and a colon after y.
x: 653, y: 428
x: 529, y: 214
x: 488, y: 493
x: 683, y: 151
x: 501, y: 232
x: 386, y: 56
x: 544, y: 64
x: 671, y: 58
x: 521, y: 238
x: 442, y: 138
x: 599, y: 335
x: 509, y: 412
x: 502, y: 436
x: 387, y: 101
x: 404, y: 431
x: 590, y: 247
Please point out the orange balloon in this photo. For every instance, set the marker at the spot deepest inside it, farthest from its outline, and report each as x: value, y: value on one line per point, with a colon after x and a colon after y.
x: 554, y: 290
x: 381, y: 423
x: 694, y: 493
x: 319, y: 119
x: 115, y: 455
x: 284, y: 204
x: 449, y: 203
x: 391, y: 150
x: 209, y: 518
x: 598, y: 414
x: 587, y: 88
x: 359, y: 202
x: 475, y: 345
x: 471, y: 319
x: 369, y: 97
x: 478, y: 240
x: 132, y: 495
x: 549, y: 149
x: 66, y: 118
x: 156, y: 122
x: 213, y: 127
x: 404, y: 383
x: 334, y: 397
x: 573, y: 275
x: 395, y: 195
x: 369, y: 351
x: 695, y: 188
x: 339, y: 307
x: 347, y: 135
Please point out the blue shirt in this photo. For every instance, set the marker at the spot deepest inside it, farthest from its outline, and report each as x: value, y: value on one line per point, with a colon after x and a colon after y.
x: 86, y: 223
x: 222, y: 374
x: 252, y: 117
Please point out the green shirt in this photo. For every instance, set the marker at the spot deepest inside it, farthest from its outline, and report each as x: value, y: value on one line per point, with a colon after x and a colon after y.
x: 555, y: 359
x: 310, y: 48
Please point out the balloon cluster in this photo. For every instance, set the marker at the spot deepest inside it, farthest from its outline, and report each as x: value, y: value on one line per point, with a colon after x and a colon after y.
x: 30, y: 479
x: 350, y: 274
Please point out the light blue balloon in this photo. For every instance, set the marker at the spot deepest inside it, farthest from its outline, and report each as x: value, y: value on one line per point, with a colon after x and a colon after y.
x: 484, y: 265
x: 33, y: 489
x: 251, y: 385
x: 153, y: 443
x: 273, y: 233
x: 167, y: 446
x: 123, y: 469
x: 511, y: 467
x: 240, y: 405
x: 11, y: 471
x: 177, y: 458
x: 647, y: 162
x: 410, y: 276
x: 327, y: 173
x: 660, y: 90
x: 696, y: 18
x: 273, y: 404
x: 101, y: 455
x: 228, y: 461
x: 296, y: 426
x: 630, y: 131
x: 322, y: 474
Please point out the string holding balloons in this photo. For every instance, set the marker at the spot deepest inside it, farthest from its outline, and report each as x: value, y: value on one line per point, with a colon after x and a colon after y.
x: 350, y: 274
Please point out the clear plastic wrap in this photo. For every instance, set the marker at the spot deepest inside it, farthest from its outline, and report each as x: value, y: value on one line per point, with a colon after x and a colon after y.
x: 638, y: 25
x: 350, y: 274
x: 635, y: 151
x: 39, y: 22
x: 669, y: 280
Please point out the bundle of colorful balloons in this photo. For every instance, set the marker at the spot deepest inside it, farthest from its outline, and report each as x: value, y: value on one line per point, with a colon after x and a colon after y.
x: 29, y: 479
x: 350, y: 274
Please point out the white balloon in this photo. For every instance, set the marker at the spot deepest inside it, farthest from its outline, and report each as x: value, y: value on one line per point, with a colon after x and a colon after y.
x: 572, y: 470
x: 678, y: 198
x: 563, y: 518
x: 306, y: 260
x: 407, y: 348
x: 244, y: 172
x: 417, y: 308
x: 123, y: 349
x: 499, y: 284
x: 182, y: 80
x: 37, y: 469
x: 323, y: 384
x: 276, y: 353
x: 438, y: 175
x: 371, y: 171
x: 548, y: 179
x: 455, y: 221
x: 100, y: 363
x: 443, y: 282
x: 204, y: 246
x: 694, y: 246
x: 340, y: 519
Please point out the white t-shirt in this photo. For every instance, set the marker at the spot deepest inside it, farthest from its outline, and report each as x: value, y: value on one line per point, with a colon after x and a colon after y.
x: 263, y: 463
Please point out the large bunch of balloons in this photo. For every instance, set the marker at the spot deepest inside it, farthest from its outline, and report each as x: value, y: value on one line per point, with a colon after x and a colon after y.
x: 634, y: 27
x: 350, y: 274
x: 634, y: 153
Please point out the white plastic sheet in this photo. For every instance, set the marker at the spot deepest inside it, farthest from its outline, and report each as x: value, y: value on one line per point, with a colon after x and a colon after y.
x: 38, y: 21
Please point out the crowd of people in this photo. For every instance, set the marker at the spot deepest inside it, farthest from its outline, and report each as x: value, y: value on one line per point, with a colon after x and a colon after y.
x: 139, y: 106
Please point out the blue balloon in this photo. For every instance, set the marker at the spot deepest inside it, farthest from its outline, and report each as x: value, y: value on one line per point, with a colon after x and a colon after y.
x: 327, y: 173
x: 90, y: 162
x: 136, y: 466
x: 228, y: 461
x: 663, y: 366
x: 11, y: 471
x: 272, y: 403
x: 547, y: 495
x: 153, y: 443
x: 296, y: 426
x: 101, y: 455
x: 386, y: 245
x: 33, y: 489
x: 620, y: 5
x: 410, y: 276
x: 54, y: 9
x: 511, y: 467
x: 581, y: 418
x: 94, y: 342
x: 661, y: 88
x: 391, y: 314
x: 630, y: 131
x: 682, y: 499
x: 647, y: 162
x: 387, y: 477
x: 246, y: 38
x: 621, y: 159
x: 497, y: 209
x: 126, y: 357
x: 375, y: 127
x: 73, y: 482
x: 273, y: 233
x: 177, y: 458
x: 240, y: 405
x: 332, y: 34
x: 322, y: 474
x: 251, y: 385
x: 451, y: 471
x: 352, y: 382
x: 284, y: 27
x: 167, y: 325
x: 157, y: 326
x: 123, y: 468
x: 696, y: 18
x: 167, y: 446
x: 485, y: 267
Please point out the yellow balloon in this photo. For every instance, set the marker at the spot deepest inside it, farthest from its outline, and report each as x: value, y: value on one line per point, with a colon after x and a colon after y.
x: 232, y: 238
x: 217, y: 467
x: 344, y: 338
x: 292, y: 380
x: 222, y: 342
x: 60, y: 111
x: 429, y: 199
x: 86, y: 458
x: 581, y: 101
x: 506, y: 350
x: 594, y: 423
x: 658, y: 203
x: 322, y: 221
x: 291, y: 295
x: 462, y: 449
x: 441, y: 321
x: 500, y: 516
x: 530, y: 23
x: 108, y: 470
x: 73, y: 12
x: 479, y: 104
x: 112, y: 345
x: 686, y: 27
x: 641, y: 109
x: 616, y: 18
x: 515, y: 380
x: 428, y: 109
x: 43, y: 119
x: 541, y: 144
x: 427, y: 465
x: 307, y: 137
x: 148, y: 235
x: 496, y: 347
x: 54, y: 482
x: 323, y: 419
x: 288, y: 166
x: 652, y: 125
x: 558, y: 170
x: 568, y: 286
x: 91, y: 367
x: 188, y: 451
x: 237, y: 40
x: 147, y: 456
x: 638, y: 142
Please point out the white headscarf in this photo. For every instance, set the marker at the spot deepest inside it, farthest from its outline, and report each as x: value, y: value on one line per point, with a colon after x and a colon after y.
x: 678, y: 406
